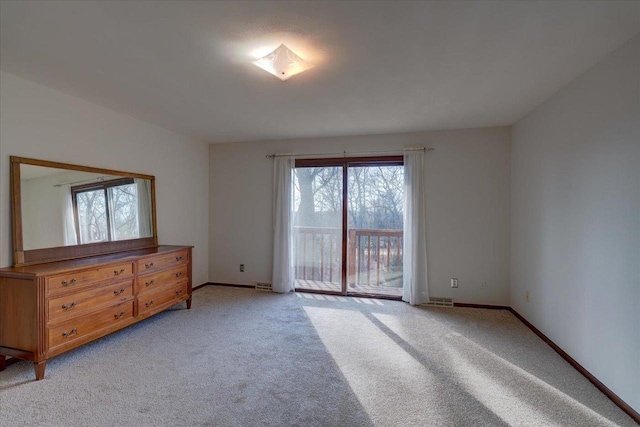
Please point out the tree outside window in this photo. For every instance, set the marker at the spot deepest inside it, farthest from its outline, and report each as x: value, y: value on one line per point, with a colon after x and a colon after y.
x: 106, y: 211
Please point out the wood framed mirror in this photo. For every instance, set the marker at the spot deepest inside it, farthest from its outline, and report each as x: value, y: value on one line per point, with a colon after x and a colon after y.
x: 63, y: 211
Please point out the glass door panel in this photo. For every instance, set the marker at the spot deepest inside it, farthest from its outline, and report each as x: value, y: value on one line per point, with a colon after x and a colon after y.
x: 317, y: 228
x: 375, y: 229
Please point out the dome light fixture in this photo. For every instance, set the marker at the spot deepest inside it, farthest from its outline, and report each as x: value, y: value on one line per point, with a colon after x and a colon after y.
x: 283, y: 63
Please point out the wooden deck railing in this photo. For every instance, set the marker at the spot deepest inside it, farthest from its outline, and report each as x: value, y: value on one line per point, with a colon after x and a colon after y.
x: 318, y: 254
x: 374, y: 256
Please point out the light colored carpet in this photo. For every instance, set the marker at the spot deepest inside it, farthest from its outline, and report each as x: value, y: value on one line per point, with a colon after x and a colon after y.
x: 246, y: 358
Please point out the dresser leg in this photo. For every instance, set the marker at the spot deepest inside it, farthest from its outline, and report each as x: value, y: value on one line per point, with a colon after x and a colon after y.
x: 3, y: 362
x: 39, y: 368
x: 189, y: 304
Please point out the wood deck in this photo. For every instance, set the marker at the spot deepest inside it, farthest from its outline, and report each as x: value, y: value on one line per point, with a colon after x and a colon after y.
x: 316, y: 285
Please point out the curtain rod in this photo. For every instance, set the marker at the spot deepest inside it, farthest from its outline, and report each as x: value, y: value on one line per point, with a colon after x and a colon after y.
x: 344, y: 153
x: 98, y: 178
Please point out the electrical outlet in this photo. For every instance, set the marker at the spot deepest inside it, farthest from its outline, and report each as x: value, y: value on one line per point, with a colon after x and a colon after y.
x: 242, y: 268
x: 483, y: 285
x: 527, y: 296
x: 454, y: 283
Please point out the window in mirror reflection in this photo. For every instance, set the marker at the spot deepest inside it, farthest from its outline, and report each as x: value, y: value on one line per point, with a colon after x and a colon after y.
x: 106, y: 211
x: 124, y: 199
x: 63, y: 207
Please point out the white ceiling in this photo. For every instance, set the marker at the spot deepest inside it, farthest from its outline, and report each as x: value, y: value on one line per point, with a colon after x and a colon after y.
x: 381, y: 67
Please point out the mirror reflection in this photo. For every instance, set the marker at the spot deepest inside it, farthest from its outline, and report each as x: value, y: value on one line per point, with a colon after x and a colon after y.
x: 64, y: 207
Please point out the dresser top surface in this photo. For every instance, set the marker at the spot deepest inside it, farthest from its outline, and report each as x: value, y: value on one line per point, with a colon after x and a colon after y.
x: 57, y: 266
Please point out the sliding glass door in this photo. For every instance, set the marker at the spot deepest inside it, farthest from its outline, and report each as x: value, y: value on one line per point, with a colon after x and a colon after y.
x: 347, y: 232
x: 317, y: 228
x: 375, y: 220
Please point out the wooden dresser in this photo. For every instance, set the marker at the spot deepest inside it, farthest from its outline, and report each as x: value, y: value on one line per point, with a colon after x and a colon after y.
x: 47, y: 309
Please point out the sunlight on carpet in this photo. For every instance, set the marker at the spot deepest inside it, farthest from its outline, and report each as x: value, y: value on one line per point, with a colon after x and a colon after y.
x: 501, y: 386
x: 359, y: 348
x: 431, y: 365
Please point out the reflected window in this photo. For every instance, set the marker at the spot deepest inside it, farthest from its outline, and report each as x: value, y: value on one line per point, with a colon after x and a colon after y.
x: 106, y: 211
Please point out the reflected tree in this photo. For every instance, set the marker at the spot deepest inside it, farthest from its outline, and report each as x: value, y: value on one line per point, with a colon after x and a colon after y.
x: 107, y: 211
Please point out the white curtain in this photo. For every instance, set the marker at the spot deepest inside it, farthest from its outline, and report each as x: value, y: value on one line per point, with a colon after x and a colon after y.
x: 112, y: 216
x: 415, y: 285
x: 143, y: 187
x: 69, y: 235
x: 283, y: 279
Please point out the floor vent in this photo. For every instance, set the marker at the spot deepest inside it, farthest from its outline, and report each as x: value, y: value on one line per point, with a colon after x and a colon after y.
x: 263, y: 287
x: 440, y: 302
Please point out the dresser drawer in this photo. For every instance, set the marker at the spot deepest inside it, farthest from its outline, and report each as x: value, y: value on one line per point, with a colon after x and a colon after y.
x: 161, y: 261
x: 151, y: 300
x: 64, y: 282
x: 76, y: 328
x: 70, y: 304
x: 151, y: 282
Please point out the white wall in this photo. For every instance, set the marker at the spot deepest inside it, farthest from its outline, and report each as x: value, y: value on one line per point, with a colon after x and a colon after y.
x: 42, y: 213
x: 42, y: 123
x: 467, y: 215
x: 576, y: 220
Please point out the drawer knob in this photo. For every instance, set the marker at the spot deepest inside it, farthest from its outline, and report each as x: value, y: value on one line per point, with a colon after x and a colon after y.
x: 66, y: 334
x: 118, y: 292
x: 179, y: 291
x: 70, y: 306
x: 148, y: 304
x: 151, y: 282
x: 71, y: 282
x: 179, y: 274
x: 149, y: 265
x: 117, y: 273
x: 179, y: 258
x: 117, y: 316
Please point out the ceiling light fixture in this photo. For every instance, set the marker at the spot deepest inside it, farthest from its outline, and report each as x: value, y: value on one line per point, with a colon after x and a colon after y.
x: 283, y: 63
